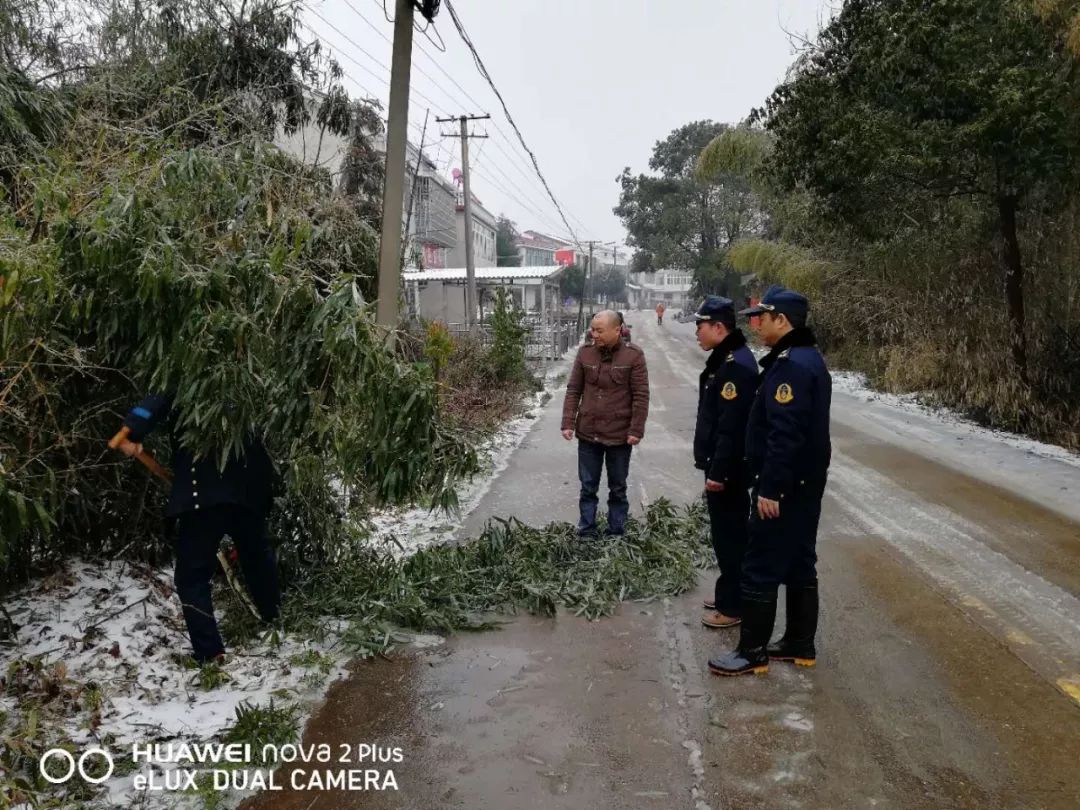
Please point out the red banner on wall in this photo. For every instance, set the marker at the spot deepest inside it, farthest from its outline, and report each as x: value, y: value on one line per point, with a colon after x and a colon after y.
x: 434, y: 257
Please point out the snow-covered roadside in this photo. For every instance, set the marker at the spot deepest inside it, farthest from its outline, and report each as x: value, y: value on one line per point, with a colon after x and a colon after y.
x: 855, y: 385
x: 1039, y: 472
x: 404, y: 531
x: 107, y: 634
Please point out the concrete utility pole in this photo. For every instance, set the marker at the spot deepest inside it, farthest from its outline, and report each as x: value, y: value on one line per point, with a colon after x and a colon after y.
x: 470, y: 265
x: 581, y: 300
x: 386, y: 313
x: 588, y: 272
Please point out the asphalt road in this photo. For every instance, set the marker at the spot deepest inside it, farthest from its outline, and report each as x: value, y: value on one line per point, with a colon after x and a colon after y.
x: 949, y: 651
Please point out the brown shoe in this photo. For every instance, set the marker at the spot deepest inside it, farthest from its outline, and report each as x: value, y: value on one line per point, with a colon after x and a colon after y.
x: 716, y: 619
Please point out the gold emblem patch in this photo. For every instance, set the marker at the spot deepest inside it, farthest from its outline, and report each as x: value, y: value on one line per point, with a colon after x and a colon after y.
x: 728, y: 391
x: 784, y: 394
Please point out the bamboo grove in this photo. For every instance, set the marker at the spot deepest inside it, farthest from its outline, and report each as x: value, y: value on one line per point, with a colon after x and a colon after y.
x: 152, y: 238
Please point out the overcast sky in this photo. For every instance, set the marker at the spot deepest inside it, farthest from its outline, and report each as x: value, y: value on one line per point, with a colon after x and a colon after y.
x: 592, y: 84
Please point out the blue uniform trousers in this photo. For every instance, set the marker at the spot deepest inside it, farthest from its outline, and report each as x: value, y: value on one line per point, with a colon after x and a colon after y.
x: 200, y: 534
x: 728, y: 513
x: 783, y: 550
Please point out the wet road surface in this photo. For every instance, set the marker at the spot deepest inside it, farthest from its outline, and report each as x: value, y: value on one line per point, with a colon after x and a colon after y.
x: 949, y: 669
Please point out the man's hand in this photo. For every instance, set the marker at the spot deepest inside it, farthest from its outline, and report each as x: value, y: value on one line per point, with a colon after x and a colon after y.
x: 130, y: 448
x: 633, y: 441
x: 713, y: 486
x: 568, y: 434
x: 767, y: 509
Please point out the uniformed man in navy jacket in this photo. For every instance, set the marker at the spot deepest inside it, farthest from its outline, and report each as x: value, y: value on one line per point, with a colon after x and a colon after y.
x: 787, y: 451
x: 725, y: 393
x: 211, y: 502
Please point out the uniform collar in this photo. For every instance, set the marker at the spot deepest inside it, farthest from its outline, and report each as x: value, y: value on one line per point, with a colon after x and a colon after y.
x: 735, y: 340
x: 802, y: 336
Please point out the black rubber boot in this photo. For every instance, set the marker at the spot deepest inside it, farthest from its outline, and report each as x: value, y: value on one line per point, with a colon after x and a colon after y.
x: 797, y: 644
x: 758, y: 617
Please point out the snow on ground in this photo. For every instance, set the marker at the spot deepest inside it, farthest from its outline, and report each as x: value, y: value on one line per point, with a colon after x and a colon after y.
x: 115, y: 629
x: 855, y: 385
x: 404, y: 531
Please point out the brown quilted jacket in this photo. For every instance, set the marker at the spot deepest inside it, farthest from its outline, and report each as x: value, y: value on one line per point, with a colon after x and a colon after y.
x: 607, y: 397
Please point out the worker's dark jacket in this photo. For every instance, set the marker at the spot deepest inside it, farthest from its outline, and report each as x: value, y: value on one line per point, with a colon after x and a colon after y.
x: 607, y: 396
x: 787, y: 438
x: 725, y: 393
x: 200, y: 483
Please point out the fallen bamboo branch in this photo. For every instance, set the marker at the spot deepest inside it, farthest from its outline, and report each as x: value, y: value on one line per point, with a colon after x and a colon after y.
x: 230, y: 577
x: 115, y: 613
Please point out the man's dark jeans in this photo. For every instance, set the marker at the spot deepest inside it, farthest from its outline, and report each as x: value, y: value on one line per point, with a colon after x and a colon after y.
x: 196, y: 559
x: 591, y: 460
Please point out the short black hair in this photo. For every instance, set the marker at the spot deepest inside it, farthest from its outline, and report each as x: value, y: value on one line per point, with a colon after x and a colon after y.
x: 727, y: 318
x: 621, y: 321
x: 797, y: 320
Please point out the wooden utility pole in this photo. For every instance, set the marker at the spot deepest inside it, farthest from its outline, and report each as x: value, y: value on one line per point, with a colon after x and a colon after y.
x: 470, y: 264
x: 386, y: 313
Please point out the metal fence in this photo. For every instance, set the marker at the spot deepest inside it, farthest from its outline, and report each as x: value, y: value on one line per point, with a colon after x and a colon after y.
x: 541, y: 342
x: 550, y: 342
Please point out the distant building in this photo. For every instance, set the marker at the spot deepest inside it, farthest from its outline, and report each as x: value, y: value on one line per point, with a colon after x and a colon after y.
x: 485, y: 227
x: 432, y: 226
x: 607, y: 256
x: 538, y: 250
x: 670, y: 287
x: 439, y: 294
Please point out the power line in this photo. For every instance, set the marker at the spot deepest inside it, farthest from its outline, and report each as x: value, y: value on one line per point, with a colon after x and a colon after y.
x: 431, y: 59
x: 383, y: 65
x: 515, y: 158
x: 351, y: 59
x: 487, y: 77
x: 523, y: 202
x: 353, y: 42
x: 342, y: 52
x: 439, y: 144
x: 523, y: 199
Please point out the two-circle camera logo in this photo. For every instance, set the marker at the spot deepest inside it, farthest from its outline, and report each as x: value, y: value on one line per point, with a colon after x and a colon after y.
x: 72, y: 765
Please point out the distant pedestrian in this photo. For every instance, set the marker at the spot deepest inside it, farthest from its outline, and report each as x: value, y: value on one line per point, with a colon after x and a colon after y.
x: 624, y: 329
x: 788, y: 451
x: 660, y: 309
x: 606, y: 405
x: 211, y: 502
x: 725, y: 393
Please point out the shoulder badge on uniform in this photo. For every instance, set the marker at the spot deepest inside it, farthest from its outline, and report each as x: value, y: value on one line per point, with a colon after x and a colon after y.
x: 728, y: 391
x: 731, y: 357
x: 784, y: 354
x: 784, y: 394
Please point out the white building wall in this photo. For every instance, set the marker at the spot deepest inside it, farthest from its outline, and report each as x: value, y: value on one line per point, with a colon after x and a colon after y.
x: 441, y: 302
x: 485, y: 253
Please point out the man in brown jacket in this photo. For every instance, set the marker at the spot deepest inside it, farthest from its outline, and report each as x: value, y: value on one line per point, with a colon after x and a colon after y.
x: 607, y: 402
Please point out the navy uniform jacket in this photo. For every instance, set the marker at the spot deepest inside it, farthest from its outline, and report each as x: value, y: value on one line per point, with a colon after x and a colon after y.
x: 199, y: 483
x: 725, y: 394
x: 787, y: 438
